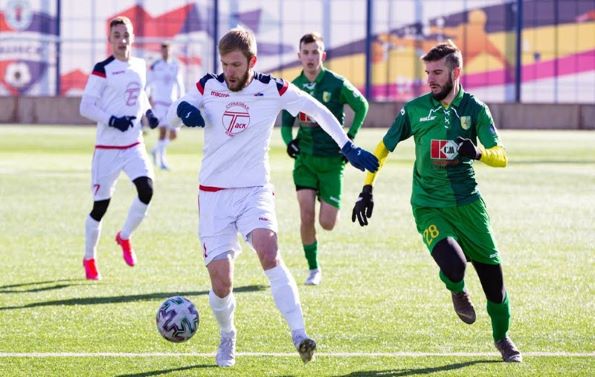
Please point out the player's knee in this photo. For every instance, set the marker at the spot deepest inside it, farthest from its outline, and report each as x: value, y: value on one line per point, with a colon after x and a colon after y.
x: 328, y: 224
x: 455, y: 272
x: 99, y: 209
x: 450, y: 258
x: 307, y: 216
x: 144, y: 188
x: 172, y: 136
x: 222, y: 289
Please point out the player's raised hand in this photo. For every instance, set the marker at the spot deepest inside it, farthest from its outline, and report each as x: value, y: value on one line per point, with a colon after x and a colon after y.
x: 152, y: 119
x: 190, y: 115
x: 293, y: 148
x: 122, y: 123
x: 468, y: 149
x: 362, y: 210
x: 360, y: 158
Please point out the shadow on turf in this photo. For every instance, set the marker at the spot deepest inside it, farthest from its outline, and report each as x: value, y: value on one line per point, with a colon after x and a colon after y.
x: 165, y: 371
x: 419, y: 371
x: 130, y: 298
x: 57, y: 284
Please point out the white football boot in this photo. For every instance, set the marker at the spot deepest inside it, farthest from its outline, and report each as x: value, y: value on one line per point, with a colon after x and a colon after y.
x: 314, y: 277
x: 226, y: 353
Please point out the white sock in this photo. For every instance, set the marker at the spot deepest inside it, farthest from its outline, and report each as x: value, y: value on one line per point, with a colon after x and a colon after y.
x: 285, y: 294
x: 223, y: 310
x: 161, y: 145
x: 92, y: 232
x: 136, y: 214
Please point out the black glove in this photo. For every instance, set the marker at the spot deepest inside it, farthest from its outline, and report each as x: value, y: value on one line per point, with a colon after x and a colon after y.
x: 468, y: 149
x: 152, y: 119
x: 122, y: 123
x: 190, y: 115
x: 293, y: 148
x: 362, y: 210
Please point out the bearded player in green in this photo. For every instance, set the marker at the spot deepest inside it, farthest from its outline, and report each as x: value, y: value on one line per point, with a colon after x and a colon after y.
x: 318, y: 168
x: 449, y: 212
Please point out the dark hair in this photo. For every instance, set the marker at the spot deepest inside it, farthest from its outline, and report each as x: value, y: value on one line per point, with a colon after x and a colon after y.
x: 447, y: 50
x: 311, y: 37
x: 238, y: 38
x: 120, y: 20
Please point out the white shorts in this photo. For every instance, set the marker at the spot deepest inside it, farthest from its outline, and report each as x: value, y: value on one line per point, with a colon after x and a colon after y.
x: 108, y: 163
x: 224, y: 213
x: 160, y: 110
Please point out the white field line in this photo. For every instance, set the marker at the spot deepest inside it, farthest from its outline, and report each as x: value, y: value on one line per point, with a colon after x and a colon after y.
x: 291, y: 354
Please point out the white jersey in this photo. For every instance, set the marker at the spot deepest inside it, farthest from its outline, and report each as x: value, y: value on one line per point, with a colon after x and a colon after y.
x: 165, y: 82
x: 116, y: 88
x: 239, y: 126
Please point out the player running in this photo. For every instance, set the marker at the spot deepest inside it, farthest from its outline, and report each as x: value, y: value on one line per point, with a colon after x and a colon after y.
x: 318, y: 168
x: 235, y: 195
x: 165, y: 85
x: 448, y: 209
x: 115, y: 98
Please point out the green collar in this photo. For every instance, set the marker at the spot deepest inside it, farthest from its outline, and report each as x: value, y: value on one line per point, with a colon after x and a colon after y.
x: 455, y: 102
x: 318, y: 78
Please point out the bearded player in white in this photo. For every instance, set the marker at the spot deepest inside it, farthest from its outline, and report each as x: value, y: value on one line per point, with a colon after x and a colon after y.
x: 165, y: 85
x: 115, y: 98
x: 240, y: 108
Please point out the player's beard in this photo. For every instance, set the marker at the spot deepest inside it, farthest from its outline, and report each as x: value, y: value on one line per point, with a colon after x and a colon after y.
x: 240, y: 84
x: 446, y: 89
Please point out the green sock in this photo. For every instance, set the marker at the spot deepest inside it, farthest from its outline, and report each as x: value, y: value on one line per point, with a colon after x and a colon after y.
x: 451, y: 285
x: 500, y: 315
x: 311, y: 252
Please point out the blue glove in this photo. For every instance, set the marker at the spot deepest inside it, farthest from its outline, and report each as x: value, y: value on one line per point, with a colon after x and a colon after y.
x: 122, y: 123
x: 190, y: 115
x: 360, y: 158
x: 152, y: 119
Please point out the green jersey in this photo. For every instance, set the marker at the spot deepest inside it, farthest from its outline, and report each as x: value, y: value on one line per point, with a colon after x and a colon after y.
x: 333, y: 91
x: 442, y: 178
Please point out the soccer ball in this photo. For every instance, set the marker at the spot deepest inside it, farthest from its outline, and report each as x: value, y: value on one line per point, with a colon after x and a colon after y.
x: 177, y: 319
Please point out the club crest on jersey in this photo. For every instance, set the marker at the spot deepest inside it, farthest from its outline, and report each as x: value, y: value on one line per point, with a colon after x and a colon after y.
x: 443, y: 150
x: 132, y: 93
x: 326, y: 96
x: 465, y: 122
x: 236, y: 118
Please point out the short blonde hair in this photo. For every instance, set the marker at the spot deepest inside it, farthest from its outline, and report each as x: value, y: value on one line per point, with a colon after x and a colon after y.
x: 120, y: 20
x: 238, y: 38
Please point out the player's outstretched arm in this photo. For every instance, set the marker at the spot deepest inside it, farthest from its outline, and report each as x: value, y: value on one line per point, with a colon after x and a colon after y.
x: 360, y: 158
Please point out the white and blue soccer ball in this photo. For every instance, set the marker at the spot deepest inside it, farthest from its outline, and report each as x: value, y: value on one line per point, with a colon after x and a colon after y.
x: 177, y: 319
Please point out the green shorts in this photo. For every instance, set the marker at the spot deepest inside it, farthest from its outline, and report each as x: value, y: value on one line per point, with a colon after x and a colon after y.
x: 322, y: 174
x: 468, y: 224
